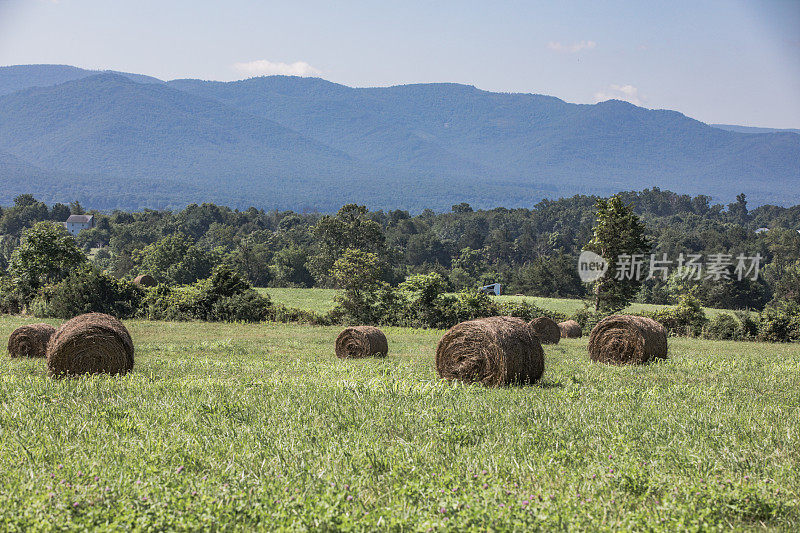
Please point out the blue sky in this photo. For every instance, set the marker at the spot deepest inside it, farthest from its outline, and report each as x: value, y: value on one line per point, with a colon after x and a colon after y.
x: 729, y: 61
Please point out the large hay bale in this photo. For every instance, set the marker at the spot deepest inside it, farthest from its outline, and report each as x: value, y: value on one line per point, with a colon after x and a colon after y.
x: 361, y: 341
x: 494, y: 351
x: 627, y: 340
x: 90, y: 344
x: 570, y: 329
x: 30, y: 340
x: 145, y: 280
x: 546, y: 329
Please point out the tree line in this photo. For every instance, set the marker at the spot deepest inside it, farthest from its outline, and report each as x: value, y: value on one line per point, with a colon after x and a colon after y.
x: 530, y: 251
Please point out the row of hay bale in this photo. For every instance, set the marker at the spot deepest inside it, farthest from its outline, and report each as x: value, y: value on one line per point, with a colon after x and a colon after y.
x: 92, y: 343
x: 502, y: 350
x: 493, y: 351
x: 366, y: 341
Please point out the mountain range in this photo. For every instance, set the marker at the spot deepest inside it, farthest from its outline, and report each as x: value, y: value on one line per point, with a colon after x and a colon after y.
x: 121, y: 140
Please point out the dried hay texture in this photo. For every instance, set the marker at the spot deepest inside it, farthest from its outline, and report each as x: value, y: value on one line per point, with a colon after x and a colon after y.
x: 494, y: 351
x: 145, y: 280
x: 90, y: 344
x: 627, y: 340
x: 361, y: 341
x: 570, y: 329
x: 30, y: 340
x: 546, y: 329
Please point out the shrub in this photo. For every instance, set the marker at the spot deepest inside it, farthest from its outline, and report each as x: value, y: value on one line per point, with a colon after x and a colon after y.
x: 588, y: 318
x: 423, y: 302
x: 471, y: 304
x: 11, y: 299
x: 224, y: 297
x: 748, y: 323
x: 780, y: 323
x: 686, y: 318
x: 247, y: 306
x: 88, y: 290
x: 171, y: 303
x: 724, y: 326
x: 524, y: 310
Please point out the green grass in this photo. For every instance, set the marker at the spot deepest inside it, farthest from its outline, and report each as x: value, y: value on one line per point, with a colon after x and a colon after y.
x: 569, y: 306
x: 321, y: 301
x: 255, y: 427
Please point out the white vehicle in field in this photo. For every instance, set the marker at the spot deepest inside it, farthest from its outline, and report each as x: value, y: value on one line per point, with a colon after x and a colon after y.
x: 494, y: 288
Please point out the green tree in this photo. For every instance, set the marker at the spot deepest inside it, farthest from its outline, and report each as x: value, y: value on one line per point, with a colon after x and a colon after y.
x: 75, y: 208
x: 47, y: 254
x: 25, y: 212
x: 554, y: 277
x: 786, y: 282
x: 59, y: 213
x: 618, y: 234
x: 358, y: 274
x: 290, y: 267
x: 176, y: 259
x: 252, y: 258
x: 350, y: 228
x: 468, y: 268
x: 737, y: 212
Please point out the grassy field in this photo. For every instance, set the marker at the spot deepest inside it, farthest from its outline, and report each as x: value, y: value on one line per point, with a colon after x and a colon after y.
x: 321, y: 301
x: 231, y: 427
x: 318, y: 300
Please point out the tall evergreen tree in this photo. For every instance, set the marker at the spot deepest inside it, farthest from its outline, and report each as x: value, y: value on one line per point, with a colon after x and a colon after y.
x: 620, y: 238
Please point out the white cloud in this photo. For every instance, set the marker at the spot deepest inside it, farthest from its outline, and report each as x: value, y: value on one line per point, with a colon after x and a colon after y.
x: 571, y: 48
x: 262, y: 67
x: 628, y: 93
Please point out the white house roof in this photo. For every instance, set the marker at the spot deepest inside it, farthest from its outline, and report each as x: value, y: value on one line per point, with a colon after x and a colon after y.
x: 80, y: 219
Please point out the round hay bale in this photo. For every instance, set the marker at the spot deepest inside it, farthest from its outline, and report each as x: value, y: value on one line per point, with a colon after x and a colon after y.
x: 30, y: 340
x: 546, y: 329
x: 627, y: 340
x: 145, y: 280
x: 90, y: 344
x: 361, y: 341
x: 494, y: 351
x: 570, y: 329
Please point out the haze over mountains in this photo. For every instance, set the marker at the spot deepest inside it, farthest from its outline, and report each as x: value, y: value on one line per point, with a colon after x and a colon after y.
x: 116, y: 140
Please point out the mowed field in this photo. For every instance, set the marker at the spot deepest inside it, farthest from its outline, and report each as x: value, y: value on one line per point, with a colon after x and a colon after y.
x: 322, y: 301
x: 259, y: 426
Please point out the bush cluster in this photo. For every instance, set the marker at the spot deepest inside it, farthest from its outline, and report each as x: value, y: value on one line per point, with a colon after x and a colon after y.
x: 780, y: 323
x: 686, y: 319
x: 422, y: 301
x: 223, y: 297
x: 88, y: 290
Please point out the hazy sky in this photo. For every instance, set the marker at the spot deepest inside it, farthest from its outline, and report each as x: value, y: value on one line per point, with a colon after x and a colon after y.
x: 728, y: 61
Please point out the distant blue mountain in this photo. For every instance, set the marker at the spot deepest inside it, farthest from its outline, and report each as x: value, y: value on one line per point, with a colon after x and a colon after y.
x: 18, y: 77
x: 751, y: 129
x: 306, y: 143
